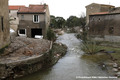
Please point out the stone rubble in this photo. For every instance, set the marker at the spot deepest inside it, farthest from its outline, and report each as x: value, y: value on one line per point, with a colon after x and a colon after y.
x: 22, y: 48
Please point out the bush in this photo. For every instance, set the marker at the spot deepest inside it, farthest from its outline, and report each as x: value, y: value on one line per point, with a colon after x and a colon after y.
x: 51, y: 35
x: 90, y: 48
x: 78, y: 36
x: 3, y: 49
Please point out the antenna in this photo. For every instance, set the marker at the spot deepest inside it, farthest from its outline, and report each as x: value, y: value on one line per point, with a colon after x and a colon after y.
x: 109, y: 2
x: 41, y: 2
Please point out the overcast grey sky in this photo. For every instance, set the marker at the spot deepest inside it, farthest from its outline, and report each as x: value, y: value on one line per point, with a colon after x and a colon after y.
x: 65, y: 8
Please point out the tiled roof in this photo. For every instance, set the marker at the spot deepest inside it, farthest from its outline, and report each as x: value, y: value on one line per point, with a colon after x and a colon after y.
x: 99, y: 13
x: 33, y: 9
x: 15, y: 7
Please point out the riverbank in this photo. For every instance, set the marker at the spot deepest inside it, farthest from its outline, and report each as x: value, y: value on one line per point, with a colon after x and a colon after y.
x: 25, y: 56
x: 108, y: 57
x: 70, y: 66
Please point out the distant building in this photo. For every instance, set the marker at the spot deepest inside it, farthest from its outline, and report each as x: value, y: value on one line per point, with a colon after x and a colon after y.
x: 14, y: 21
x: 96, y: 8
x: 33, y: 20
x: 115, y: 10
x: 105, y: 26
x: 4, y: 24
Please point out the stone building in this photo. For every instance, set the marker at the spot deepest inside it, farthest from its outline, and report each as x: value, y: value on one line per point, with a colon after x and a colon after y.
x: 14, y: 21
x: 105, y: 26
x: 33, y: 20
x: 4, y: 24
x: 96, y: 8
x: 115, y: 10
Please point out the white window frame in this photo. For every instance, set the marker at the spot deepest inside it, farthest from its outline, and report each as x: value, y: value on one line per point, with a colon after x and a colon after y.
x: 38, y: 19
x: 22, y: 34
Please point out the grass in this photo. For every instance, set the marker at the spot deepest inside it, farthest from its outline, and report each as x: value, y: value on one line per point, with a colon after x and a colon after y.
x: 103, y: 57
x: 117, y: 57
x: 51, y: 35
x: 96, y: 58
x: 90, y: 48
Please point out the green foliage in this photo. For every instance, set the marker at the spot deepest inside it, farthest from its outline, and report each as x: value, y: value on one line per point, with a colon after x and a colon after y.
x: 52, y: 21
x: 101, y: 56
x: 78, y: 36
x: 73, y: 21
x: 90, y: 48
x: 57, y: 22
x: 51, y: 35
x: 60, y: 22
x: 84, y: 36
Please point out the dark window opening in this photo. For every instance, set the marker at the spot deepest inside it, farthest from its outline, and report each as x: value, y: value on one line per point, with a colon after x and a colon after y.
x: 2, y: 24
x: 22, y: 31
x: 111, y: 30
x: 36, y: 18
x: 36, y: 32
x: 99, y: 19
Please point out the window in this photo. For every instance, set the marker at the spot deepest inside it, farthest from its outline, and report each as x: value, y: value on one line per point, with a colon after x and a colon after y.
x: 22, y: 17
x: 22, y: 32
x: 2, y: 24
x: 99, y: 19
x: 111, y: 30
x: 36, y: 18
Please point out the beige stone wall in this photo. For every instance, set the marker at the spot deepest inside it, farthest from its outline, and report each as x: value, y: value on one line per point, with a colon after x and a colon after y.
x: 4, y: 34
x: 96, y: 8
x: 29, y: 17
x: 28, y: 23
x: 101, y: 24
x: 14, y: 19
x: 47, y: 21
x: 93, y: 8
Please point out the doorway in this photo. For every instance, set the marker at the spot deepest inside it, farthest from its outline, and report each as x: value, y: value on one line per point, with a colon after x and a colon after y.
x: 36, y: 32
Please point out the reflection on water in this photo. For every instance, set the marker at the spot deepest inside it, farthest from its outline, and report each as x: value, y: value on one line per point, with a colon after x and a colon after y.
x: 70, y: 66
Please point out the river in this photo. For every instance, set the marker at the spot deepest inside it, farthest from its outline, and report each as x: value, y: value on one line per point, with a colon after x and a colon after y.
x: 71, y: 66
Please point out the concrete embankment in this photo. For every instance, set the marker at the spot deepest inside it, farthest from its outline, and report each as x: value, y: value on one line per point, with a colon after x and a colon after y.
x: 25, y: 56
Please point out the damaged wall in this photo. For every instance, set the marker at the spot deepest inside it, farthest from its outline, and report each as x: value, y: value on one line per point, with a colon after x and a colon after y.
x: 105, y: 25
x: 4, y: 24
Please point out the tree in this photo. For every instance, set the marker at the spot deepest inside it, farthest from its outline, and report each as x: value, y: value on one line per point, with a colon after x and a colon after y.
x: 57, y: 22
x: 73, y: 21
x: 83, y: 25
x: 60, y: 21
x: 52, y: 21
